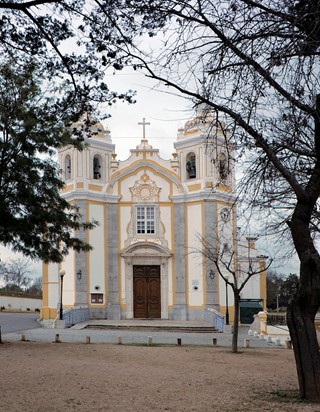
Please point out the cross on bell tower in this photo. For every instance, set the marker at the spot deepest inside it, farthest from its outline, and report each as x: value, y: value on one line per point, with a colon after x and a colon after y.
x: 144, y: 124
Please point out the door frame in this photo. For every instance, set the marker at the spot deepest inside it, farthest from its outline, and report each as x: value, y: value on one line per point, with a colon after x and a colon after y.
x: 146, y: 255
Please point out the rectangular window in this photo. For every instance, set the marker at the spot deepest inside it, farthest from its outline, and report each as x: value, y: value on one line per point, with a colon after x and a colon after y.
x: 96, y: 297
x: 146, y: 219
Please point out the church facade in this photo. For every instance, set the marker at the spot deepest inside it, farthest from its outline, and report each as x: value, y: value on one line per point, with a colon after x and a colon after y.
x: 155, y: 217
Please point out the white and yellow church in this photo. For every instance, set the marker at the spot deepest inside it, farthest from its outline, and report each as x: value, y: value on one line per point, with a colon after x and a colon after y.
x: 154, y: 214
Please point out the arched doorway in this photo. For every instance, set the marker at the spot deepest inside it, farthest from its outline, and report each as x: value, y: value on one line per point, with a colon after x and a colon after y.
x: 146, y: 280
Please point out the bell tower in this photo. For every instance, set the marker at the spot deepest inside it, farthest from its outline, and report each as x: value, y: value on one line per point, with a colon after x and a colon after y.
x: 86, y: 174
x: 204, y: 153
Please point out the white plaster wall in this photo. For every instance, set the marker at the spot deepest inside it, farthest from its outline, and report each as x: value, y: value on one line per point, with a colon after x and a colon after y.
x: 53, y: 285
x: 80, y: 162
x: 194, y: 260
x: 252, y: 288
x: 166, y: 219
x: 222, y: 292
x: 130, y: 180
x: 125, y: 217
x: 165, y: 188
x: 18, y: 303
x: 97, y: 256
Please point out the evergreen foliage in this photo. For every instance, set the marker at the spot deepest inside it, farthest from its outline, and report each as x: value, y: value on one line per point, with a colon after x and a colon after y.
x: 34, y: 219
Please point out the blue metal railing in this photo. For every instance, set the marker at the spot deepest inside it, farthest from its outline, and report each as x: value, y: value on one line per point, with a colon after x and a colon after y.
x: 75, y: 315
x: 214, y: 318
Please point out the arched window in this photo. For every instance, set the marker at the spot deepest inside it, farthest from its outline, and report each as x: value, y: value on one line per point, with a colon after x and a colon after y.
x: 191, y: 165
x: 67, y: 167
x: 97, y: 167
x: 223, y: 167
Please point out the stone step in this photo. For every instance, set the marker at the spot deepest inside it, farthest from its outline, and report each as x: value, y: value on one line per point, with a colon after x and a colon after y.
x: 154, y: 328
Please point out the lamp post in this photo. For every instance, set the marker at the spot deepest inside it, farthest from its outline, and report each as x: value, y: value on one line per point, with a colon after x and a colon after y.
x: 61, y: 274
x: 226, y: 277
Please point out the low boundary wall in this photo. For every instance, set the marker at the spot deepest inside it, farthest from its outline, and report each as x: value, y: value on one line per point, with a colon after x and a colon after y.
x: 20, y: 303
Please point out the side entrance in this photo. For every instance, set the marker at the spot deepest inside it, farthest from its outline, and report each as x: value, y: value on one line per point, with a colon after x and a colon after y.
x: 146, y: 291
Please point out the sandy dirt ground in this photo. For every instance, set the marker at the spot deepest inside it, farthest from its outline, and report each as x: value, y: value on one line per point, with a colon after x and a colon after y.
x: 42, y: 377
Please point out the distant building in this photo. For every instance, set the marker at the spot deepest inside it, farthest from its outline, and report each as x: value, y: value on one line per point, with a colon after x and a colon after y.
x: 152, y: 214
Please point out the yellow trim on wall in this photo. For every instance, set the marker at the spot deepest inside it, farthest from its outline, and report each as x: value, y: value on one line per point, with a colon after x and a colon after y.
x: 80, y: 185
x: 97, y: 306
x: 96, y: 188
x: 196, y: 307
x: 224, y: 188
x: 67, y: 188
x: 263, y: 285
x: 96, y: 202
x: 48, y: 313
x: 195, y: 187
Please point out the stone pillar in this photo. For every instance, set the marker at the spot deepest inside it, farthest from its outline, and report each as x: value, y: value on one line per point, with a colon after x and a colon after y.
x: 180, y: 307
x: 210, y: 225
x: 113, y: 308
x: 129, y: 288
x: 81, y: 263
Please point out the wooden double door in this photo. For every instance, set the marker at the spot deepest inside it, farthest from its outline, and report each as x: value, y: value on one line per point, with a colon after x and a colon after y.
x: 146, y: 291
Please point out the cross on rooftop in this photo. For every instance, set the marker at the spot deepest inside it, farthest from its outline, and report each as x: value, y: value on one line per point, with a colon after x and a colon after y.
x: 144, y: 124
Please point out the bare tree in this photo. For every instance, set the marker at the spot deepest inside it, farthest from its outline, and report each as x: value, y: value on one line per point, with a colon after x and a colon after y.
x: 16, y: 274
x: 256, y: 63
x: 35, y: 286
x: 235, y: 267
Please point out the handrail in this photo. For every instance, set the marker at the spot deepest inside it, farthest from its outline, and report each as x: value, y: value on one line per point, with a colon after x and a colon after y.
x: 71, y: 316
x: 215, y: 318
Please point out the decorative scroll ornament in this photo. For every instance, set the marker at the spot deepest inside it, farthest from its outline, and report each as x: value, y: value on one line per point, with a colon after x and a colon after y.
x: 145, y: 190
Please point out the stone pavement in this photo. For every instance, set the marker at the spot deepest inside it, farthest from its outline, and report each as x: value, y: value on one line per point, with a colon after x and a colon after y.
x: 130, y: 332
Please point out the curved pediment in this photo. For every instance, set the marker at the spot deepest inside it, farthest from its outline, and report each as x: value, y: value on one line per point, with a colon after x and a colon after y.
x: 145, y: 249
x: 144, y: 165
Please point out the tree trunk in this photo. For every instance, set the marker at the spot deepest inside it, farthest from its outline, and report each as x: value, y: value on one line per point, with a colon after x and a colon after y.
x: 305, y: 303
x: 306, y: 350
x: 235, y: 323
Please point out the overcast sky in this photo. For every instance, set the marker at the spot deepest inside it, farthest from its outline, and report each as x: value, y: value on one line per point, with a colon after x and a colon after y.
x: 164, y: 111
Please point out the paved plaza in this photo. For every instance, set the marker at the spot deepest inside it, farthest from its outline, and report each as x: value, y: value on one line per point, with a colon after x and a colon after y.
x: 138, y: 333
